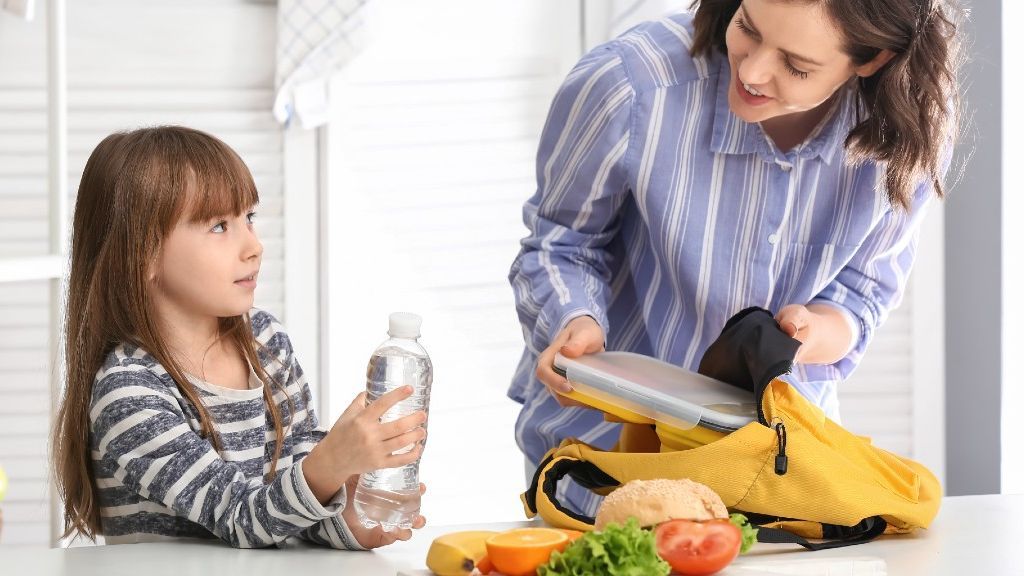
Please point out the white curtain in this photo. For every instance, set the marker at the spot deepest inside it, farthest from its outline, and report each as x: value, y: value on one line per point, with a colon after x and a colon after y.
x: 23, y: 8
x: 315, y: 39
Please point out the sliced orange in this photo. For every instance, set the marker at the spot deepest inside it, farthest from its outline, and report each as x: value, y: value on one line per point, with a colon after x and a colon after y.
x: 572, y: 534
x: 520, y: 551
x: 484, y: 565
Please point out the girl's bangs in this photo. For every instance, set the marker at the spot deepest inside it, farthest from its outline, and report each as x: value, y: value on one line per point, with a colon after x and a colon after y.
x: 218, y: 184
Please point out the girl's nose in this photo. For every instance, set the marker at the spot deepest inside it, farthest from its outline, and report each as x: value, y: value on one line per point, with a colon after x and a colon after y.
x: 253, y: 246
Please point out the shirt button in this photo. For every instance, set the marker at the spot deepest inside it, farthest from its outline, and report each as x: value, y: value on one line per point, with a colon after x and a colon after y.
x: 786, y: 166
x: 773, y: 239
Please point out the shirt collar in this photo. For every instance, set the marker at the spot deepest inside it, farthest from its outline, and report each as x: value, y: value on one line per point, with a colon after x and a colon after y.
x: 830, y: 136
x: 731, y: 135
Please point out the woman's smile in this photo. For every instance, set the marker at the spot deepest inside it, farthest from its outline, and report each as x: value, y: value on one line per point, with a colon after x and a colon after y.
x: 749, y: 95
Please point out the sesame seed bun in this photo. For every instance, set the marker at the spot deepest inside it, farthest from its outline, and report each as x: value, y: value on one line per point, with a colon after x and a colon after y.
x: 652, y: 502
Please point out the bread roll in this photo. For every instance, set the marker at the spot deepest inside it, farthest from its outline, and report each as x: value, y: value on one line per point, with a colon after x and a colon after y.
x: 652, y: 502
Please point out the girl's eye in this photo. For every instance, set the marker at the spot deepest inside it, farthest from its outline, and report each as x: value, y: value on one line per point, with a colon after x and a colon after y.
x: 251, y: 217
x: 220, y: 227
x: 794, y: 71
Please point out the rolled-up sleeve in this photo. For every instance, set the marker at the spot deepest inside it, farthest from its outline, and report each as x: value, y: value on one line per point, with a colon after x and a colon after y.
x: 562, y: 270
x: 306, y: 433
x: 873, y: 282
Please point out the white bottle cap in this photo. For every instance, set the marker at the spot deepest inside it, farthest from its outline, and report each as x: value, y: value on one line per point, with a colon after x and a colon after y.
x: 404, y: 325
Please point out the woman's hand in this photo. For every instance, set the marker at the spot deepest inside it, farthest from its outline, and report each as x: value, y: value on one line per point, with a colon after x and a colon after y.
x: 582, y: 335
x: 374, y: 537
x: 823, y: 330
x: 360, y: 442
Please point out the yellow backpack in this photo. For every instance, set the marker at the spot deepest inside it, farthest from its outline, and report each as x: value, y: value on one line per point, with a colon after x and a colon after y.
x: 794, y: 472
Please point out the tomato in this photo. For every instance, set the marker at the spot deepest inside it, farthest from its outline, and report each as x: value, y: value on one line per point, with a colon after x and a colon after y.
x: 698, y: 548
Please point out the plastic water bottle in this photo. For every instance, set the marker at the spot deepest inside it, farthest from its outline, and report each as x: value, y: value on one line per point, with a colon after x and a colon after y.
x: 390, y: 497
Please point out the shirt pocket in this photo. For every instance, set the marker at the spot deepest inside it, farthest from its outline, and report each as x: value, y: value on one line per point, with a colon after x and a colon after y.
x: 807, y: 268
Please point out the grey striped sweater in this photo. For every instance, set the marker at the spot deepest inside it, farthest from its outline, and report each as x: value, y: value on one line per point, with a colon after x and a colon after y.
x: 158, y: 478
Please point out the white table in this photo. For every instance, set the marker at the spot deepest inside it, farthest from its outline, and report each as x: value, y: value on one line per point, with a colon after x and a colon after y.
x: 973, y: 535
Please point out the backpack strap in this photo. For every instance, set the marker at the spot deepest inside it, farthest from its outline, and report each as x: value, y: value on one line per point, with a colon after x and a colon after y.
x: 833, y: 536
x: 540, y: 496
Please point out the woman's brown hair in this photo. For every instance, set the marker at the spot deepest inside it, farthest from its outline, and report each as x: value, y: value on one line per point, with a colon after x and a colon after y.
x: 136, y: 187
x: 908, y: 110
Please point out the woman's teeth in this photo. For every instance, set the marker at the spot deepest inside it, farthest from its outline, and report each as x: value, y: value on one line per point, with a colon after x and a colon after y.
x: 751, y: 90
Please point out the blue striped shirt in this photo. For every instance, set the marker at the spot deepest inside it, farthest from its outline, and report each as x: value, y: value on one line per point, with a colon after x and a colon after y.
x: 661, y: 214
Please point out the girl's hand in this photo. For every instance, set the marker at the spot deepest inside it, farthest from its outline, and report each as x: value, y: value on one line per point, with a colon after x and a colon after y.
x: 582, y: 335
x: 360, y: 442
x: 374, y: 537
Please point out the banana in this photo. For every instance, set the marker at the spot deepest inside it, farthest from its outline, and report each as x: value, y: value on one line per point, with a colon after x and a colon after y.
x: 456, y: 553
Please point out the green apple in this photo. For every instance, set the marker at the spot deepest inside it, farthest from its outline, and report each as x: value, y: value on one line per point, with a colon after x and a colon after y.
x: 3, y: 484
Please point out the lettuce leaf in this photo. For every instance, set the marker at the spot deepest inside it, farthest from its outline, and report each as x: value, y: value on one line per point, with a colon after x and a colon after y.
x: 749, y: 532
x: 618, y: 550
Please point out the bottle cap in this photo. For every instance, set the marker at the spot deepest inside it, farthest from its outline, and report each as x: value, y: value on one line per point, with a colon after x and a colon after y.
x: 404, y: 325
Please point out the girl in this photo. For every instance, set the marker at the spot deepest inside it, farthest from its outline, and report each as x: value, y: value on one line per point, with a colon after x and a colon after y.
x: 186, y: 413
x: 772, y: 153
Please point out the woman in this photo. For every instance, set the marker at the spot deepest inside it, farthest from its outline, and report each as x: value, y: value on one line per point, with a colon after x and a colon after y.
x: 758, y: 152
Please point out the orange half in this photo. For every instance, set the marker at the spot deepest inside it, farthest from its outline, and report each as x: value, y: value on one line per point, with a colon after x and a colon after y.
x: 521, y: 551
x: 572, y: 534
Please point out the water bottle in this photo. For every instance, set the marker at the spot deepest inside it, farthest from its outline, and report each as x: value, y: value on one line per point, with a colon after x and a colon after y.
x: 390, y: 497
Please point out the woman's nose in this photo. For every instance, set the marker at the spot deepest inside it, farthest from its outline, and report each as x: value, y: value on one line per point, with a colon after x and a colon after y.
x: 755, y: 69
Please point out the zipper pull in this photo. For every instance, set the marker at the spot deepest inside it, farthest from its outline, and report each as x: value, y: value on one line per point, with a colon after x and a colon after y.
x: 781, y: 462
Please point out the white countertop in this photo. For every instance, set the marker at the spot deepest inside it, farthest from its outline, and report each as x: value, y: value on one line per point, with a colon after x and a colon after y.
x: 973, y: 535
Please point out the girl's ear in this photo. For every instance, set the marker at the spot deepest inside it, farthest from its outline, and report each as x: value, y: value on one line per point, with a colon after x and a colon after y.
x: 872, y: 66
x: 152, y: 268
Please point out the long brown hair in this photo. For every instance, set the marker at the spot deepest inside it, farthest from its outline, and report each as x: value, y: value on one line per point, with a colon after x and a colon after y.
x: 136, y: 187
x: 908, y: 110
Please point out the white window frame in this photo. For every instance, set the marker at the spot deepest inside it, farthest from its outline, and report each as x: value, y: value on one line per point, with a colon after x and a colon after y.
x: 304, y: 180
x: 51, y: 267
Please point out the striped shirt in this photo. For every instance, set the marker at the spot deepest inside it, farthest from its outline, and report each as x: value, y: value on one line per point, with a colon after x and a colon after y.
x: 661, y: 214
x: 158, y: 478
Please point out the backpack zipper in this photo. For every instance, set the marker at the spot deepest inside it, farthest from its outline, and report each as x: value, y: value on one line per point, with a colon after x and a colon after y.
x: 781, y: 461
